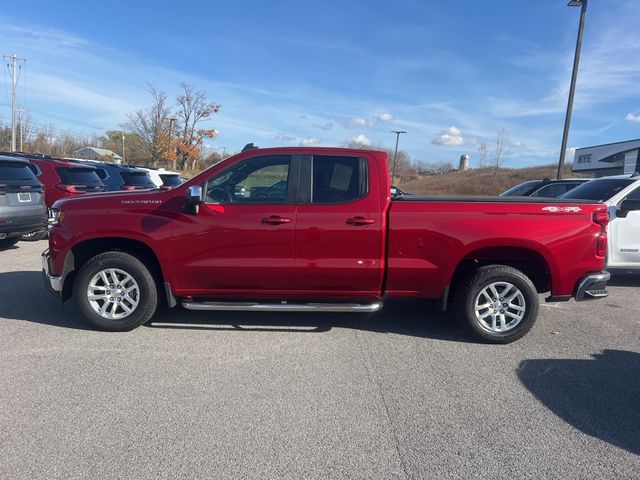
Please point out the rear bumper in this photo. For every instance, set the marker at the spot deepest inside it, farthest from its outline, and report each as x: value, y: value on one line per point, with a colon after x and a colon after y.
x: 15, y: 228
x: 53, y: 283
x: 592, y: 287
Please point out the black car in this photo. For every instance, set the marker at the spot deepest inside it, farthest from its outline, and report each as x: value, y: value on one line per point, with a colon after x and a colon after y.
x: 120, y: 177
x: 22, y: 209
x: 549, y: 188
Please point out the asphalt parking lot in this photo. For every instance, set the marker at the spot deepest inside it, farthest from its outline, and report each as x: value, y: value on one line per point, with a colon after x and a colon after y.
x: 402, y: 394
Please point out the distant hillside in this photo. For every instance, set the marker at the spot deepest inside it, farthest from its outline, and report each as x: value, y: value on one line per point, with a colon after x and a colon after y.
x: 479, y: 181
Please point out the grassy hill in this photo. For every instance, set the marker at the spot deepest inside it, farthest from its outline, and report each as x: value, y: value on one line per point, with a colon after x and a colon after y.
x: 479, y: 181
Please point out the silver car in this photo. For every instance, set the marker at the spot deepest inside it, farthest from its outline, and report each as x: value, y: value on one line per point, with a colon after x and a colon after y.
x: 22, y: 209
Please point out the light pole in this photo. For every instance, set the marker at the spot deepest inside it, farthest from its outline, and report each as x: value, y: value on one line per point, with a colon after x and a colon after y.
x: 395, y: 155
x: 574, y: 75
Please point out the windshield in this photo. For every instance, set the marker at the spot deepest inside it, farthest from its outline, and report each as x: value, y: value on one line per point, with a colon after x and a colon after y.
x: 79, y: 176
x: 16, y: 172
x: 521, y: 189
x: 138, y: 179
x: 170, y: 180
x: 599, y: 190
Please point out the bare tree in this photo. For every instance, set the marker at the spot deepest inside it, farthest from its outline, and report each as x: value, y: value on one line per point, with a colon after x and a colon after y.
x: 152, y: 126
x: 502, y: 149
x: 484, y: 153
x: 192, y: 108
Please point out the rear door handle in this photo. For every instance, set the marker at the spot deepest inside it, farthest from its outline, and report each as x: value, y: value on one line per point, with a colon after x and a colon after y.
x: 360, y: 221
x: 275, y: 220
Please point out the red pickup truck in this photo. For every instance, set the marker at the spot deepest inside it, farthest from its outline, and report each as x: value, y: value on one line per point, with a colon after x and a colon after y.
x: 316, y: 229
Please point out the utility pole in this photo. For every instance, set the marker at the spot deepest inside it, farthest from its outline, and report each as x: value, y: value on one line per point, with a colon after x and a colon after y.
x: 574, y: 75
x: 123, y: 156
x: 14, y: 81
x: 395, y: 155
x: 20, y: 126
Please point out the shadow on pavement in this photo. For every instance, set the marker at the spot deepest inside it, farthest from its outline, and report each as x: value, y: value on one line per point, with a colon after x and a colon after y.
x: 25, y: 298
x: 600, y: 397
x: 624, y: 279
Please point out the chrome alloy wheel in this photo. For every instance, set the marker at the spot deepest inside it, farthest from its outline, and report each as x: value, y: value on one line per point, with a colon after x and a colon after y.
x: 500, y: 307
x: 113, y: 294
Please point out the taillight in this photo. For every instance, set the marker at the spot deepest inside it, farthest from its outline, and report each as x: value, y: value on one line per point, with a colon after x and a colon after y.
x: 69, y: 188
x: 601, y: 217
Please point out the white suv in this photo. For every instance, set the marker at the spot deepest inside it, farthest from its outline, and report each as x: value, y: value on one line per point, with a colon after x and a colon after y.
x: 621, y: 194
x: 163, y: 178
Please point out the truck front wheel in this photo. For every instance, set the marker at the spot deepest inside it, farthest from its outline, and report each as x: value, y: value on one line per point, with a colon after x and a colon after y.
x: 499, y: 303
x: 116, y: 292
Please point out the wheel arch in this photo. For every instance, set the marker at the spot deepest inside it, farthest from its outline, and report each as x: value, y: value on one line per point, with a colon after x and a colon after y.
x: 82, y: 251
x: 529, y: 261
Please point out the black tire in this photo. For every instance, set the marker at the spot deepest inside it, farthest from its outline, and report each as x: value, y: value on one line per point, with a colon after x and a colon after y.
x: 147, y: 291
x: 34, y: 236
x: 470, y: 292
x: 8, y: 242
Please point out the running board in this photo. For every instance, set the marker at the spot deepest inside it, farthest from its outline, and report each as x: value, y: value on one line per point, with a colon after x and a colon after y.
x: 283, y: 307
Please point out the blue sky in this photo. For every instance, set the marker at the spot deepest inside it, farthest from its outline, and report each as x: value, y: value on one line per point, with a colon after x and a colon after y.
x: 323, y: 73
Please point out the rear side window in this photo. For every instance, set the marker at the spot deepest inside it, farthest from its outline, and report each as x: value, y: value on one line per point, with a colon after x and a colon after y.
x: 338, y: 179
x: 16, y: 172
x: 78, y: 176
x: 599, y: 190
x: 170, y: 180
x: 552, y: 190
x: 102, y: 173
x: 521, y: 189
x: 138, y: 179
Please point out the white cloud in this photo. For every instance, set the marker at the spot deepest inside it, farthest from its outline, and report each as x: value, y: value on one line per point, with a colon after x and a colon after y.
x: 323, y: 126
x: 284, y: 137
x: 452, y: 136
x: 309, y: 142
x: 357, y: 122
x: 633, y: 118
x: 386, y: 117
x: 361, y: 140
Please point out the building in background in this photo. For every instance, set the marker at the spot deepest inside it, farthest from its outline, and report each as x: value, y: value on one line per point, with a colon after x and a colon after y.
x: 95, y: 153
x: 610, y: 159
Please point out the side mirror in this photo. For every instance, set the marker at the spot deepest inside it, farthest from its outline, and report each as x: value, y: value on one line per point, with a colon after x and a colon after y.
x: 192, y: 200
x: 628, y: 206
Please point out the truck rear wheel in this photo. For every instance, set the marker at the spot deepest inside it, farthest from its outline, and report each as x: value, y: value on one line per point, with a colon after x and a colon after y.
x: 499, y: 303
x: 116, y: 292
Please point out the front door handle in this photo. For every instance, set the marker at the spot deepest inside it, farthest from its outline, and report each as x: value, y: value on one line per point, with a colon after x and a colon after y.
x: 275, y: 220
x: 360, y: 221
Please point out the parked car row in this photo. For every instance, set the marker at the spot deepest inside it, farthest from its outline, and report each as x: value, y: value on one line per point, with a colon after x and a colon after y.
x: 34, y: 182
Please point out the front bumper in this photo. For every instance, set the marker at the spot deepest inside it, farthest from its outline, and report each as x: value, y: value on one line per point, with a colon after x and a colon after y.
x: 592, y: 287
x: 53, y: 283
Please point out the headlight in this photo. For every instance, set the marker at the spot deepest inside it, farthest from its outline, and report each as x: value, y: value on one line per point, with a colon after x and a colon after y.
x: 55, y: 216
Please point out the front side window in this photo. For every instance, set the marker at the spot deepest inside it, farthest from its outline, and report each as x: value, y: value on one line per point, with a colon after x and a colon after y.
x: 337, y: 179
x: 259, y: 180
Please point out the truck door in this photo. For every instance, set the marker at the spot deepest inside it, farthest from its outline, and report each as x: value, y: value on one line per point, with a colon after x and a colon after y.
x: 242, y: 239
x: 340, y: 228
x: 624, y: 237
